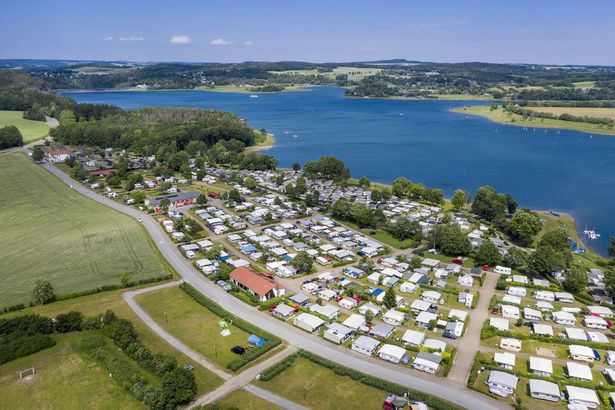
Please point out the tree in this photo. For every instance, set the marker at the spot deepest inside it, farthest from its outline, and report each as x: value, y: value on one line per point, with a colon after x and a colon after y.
x: 609, y: 279
x: 164, y: 204
x: 524, y: 226
x: 362, y: 215
x: 451, y: 240
x: 234, y: 195
x: 575, y: 279
x: 459, y: 199
x: 125, y: 279
x: 79, y: 173
x: 10, y: 136
x: 547, y: 259
x: 327, y: 167
x: 488, y: 254
x: 364, y: 182
x: 557, y: 239
x: 201, y: 200
x: 296, y: 167
x: 138, y: 196
x: 434, y: 196
x: 186, y: 171
x: 37, y: 153
x: 401, y: 186
x: 369, y: 316
x: 42, y: 293
x: 611, y: 249
x: 302, y: 262
x: 489, y: 205
x: 341, y: 209
x: 514, y: 258
x: 250, y: 182
x: 389, y: 298
x: 404, y: 229
x: 68, y: 322
x: 416, y: 262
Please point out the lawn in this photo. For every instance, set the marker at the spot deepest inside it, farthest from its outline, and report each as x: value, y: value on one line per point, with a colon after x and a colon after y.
x: 52, y: 232
x: 241, y: 399
x: 99, y: 303
x: 578, y: 111
x: 314, y: 386
x: 504, y: 117
x: 30, y: 130
x: 65, y: 379
x: 193, y: 324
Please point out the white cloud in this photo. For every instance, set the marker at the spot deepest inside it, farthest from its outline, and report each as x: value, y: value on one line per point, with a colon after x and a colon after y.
x: 107, y: 39
x: 180, y: 40
x: 132, y: 38
x: 248, y: 43
x: 220, y: 42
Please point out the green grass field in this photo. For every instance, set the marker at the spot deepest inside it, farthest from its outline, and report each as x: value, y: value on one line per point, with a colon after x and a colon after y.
x: 241, y: 399
x: 193, y: 324
x: 30, y: 130
x: 578, y: 111
x: 322, y: 385
x: 65, y: 379
x: 50, y: 232
x: 503, y: 117
x: 93, y: 305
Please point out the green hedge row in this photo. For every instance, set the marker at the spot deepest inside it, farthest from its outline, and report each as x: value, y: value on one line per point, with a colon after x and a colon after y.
x: 107, y: 288
x: 16, y: 345
x: 271, y: 341
x: 278, y: 368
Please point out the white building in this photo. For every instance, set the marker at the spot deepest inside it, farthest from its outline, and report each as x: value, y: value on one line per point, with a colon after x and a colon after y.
x: 365, y: 345
x: 427, y: 362
x: 308, y: 322
x: 513, y: 345
x: 499, y: 323
x: 337, y: 333
x: 579, y: 371
x: 582, y: 396
x: 544, y: 390
x: 393, y: 317
x: 516, y: 291
x: 564, y: 318
x: 501, y: 383
x: 413, y: 338
x: 504, y: 360
x: 510, y: 312
x: 391, y: 353
x: 541, y: 366
x: 355, y: 321
x: 595, y: 322
x: 581, y: 353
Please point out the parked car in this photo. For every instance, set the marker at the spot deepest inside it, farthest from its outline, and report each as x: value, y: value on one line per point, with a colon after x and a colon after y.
x: 495, y: 310
x: 596, y: 355
x: 449, y: 335
x: 224, y: 285
x: 238, y: 350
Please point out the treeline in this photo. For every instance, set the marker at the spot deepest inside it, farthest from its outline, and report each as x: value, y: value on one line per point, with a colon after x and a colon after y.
x: 528, y: 113
x: 567, y: 94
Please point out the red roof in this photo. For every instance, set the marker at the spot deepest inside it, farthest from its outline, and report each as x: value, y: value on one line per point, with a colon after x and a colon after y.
x: 59, y: 152
x: 102, y: 171
x: 259, y: 283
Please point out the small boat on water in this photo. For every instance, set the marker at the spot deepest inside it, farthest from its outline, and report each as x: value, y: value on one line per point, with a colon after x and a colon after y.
x: 296, y: 136
x: 286, y: 132
x: 552, y: 212
x: 591, y: 233
x: 253, y: 96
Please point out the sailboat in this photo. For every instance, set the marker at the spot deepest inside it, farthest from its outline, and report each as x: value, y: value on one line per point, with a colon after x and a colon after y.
x: 591, y: 233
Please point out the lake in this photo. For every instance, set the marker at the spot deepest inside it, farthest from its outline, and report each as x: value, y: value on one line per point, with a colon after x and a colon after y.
x: 424, y: 141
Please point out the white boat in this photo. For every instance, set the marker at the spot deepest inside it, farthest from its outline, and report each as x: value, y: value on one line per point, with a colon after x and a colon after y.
x: 253, y: 96
x: 591, y: 233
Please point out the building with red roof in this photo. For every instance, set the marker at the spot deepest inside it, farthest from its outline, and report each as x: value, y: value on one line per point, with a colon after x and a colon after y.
x: 259, y: 284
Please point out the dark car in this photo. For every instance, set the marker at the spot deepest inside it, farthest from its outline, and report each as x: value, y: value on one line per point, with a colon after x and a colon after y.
x: 495, y: 310
x: 449, y: 335
x: 596, y: 355
x: 238, y: 350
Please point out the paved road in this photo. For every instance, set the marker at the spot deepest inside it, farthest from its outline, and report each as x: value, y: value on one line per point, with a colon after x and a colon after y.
x: 243, y: 379
x: 469, y: 345
x: 177, y: 344
x: 450, y: 390
x: 274, y: 398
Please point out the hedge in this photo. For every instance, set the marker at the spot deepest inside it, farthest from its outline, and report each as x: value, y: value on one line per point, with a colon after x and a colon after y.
x: 107, y: 288
x: 271, y: 341
x: 16, y: 345
x: 278, y: 368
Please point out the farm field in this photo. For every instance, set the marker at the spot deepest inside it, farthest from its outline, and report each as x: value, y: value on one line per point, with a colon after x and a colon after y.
x: 64, y: 379
x: 99, y: 303
x: 241, y: 399
x: 578, y: 111
x: 50, y: 232
x: 311, y: 385
x: 192, y: 323
x: 30, y: 130
x: 503, y: 117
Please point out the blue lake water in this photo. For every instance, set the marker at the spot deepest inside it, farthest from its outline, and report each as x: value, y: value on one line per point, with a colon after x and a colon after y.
x: 422, y: 140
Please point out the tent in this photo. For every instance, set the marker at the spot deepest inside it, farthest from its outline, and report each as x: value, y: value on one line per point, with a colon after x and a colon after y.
x: 256, y: 341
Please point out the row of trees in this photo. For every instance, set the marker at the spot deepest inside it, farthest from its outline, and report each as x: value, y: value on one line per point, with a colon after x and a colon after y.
x: 404, y: 188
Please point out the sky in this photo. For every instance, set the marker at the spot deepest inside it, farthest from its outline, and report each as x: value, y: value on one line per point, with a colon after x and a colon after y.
x: 543, y: 31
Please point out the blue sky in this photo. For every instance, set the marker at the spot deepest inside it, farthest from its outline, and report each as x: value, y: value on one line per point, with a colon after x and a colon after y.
x: 550, y: 32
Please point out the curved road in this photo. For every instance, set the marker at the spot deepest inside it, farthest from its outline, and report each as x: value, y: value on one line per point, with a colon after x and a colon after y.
x: 446, y: 389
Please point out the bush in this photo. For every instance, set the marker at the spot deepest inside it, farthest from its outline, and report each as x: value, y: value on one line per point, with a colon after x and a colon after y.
x: 278, y: 368
x: 271, y: 341
x: 27, y: 325
x: 68, y: 322
x: 16, y: 345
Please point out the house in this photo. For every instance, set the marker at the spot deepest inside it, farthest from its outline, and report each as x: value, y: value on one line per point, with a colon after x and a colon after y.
x: 352, y: 272
x: 516, y: 291
x: 175, y: 201
x: 601, y: 311
x: 260, y: 284
x: 511, y: 312
x: 499, y: 323
x: 327, y: 294
x: 547, y: 296
x: 419, y: 305
x: 582, y: 397
x: 542, y: 330
x: 337, y: 333
x: 541, y: 366
x: 283, y: 311
x: 307, y: 322
x: 59, y: 155
x: 435, y: 345
x: 392, y: 353
x: 579, y: 371
x: 595, y: 322
x: 413, y: 338
x: 465, y: 298
x: 513, y: 300
x: 427, y: 362
x: 393, y: 317
x: 355, y: 321
x: 520, y: 279
x: 532, y: 314
x: 501, y: 383
x: 299, y: 299
x: 458, y: 315
x: 348, y: 303
x: 502, y: 270
x: 365, y: 345
x: 369, y: 306
x: 574, y: 333
x: 564, y: 297
x: 514, y: 345
x: 466, y: 280
x: 563, y: 318
x: 408, y: 287
x: 597, y: 337
x: 544, y: 390
x: 504, y: 360
x: 544, y: 306
x: 382, y: 330
x: 581, y: 353
x: 610, y: 358
x: 328, y: 311
x: 425, y: 318
x: 431, y: 296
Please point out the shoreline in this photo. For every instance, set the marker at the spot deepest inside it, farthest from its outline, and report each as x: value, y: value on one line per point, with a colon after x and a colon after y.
x: 480, y: 111
x: 267, y: 144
